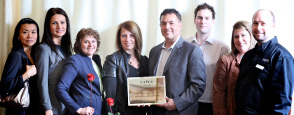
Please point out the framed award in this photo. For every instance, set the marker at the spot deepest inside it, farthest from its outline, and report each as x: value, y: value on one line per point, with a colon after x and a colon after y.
x: 146, y: 90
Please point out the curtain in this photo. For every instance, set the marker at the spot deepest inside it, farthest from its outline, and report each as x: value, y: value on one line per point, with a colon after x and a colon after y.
x: 105, y: 15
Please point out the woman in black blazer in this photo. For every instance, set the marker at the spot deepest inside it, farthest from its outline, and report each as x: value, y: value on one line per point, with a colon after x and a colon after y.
x: 20, y: 67
x: 124, y: 63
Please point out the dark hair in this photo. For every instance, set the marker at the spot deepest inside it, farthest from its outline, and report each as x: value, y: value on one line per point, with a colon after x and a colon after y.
x: 204, y: 6
x: 82, y: 34
x: 47, y: 36
x: 243, y: 25
x: 16, y: 44
x: 136, y: 31
x: 171, y: 11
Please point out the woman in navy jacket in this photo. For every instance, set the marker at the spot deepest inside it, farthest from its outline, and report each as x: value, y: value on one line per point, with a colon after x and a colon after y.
x: 74, y: 89
x: 20, y: 67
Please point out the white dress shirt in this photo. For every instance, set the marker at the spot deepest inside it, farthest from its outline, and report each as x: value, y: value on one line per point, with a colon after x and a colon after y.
x: 164, y: 55
x: 212, y: 50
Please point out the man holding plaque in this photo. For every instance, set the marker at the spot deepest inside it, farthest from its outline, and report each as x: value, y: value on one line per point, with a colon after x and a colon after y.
x: 182, y: 65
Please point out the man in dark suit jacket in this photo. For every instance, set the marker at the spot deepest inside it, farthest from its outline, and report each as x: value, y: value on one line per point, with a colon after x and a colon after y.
x: 182, y: 65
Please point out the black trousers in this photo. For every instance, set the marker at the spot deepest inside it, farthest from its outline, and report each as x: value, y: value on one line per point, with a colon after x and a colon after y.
x: 205, y: 109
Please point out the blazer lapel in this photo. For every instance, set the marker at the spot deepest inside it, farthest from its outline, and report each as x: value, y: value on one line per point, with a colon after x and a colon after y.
x: 157, y: 52
x: 173, y: 55
x: 89, y: 69
x: 24, y: 57
x: 60, y: 54
x: 97, y: 60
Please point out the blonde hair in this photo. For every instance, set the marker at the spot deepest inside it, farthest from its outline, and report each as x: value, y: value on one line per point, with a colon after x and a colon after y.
x: 243, y: 25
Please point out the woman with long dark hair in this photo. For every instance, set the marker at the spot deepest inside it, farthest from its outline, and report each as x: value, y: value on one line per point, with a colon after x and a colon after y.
x: 50, y: 55
x: 19, y: 66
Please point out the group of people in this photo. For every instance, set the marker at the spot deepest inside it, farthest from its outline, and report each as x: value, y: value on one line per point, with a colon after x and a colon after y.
x: 203, y: 77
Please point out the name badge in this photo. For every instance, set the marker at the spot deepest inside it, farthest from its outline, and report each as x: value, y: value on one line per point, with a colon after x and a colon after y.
x: 259, y: 66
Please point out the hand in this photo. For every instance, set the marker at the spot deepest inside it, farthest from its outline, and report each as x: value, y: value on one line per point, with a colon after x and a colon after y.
x: 49, y: 112
x: 30, y: 71
x: 169, y: 105
x: 86, y: 111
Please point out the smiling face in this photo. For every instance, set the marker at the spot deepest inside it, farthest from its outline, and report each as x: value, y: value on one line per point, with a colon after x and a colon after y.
x: 204, y: 21
x: 89, y: 45
x: 127, y: 40
x: 170, y: 27
x: 242, y: 40
x: 58, y: 26
x: 263, y: 26
x: 28, y: 35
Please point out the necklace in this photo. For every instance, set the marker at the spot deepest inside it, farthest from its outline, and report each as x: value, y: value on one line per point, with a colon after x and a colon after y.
x: 134, y: 64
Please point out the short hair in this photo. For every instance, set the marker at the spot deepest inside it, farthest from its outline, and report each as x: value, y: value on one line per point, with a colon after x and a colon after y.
x: 243, y: 25
x: 204, y: 6
x: 47, y: 36
x: 171, y: 11
x: 81, y: 35
x: 136, y: 31
x: 16, y: 43
x: 272, y: 14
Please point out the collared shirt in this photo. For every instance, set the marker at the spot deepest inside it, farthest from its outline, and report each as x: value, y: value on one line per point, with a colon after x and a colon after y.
x: 165, y: 53
x: 265, y: 82
x: 212, y: 50
x: 96, y: 68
